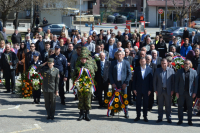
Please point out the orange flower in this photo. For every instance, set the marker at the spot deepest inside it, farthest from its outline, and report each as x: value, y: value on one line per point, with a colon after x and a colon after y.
x: 27, y: 83
x: 24, y: 80
x: 31, y: 88
x: 27, y: 88
x: 28, y: 95
x: 115, y: 111
x: 22, y: 93
x: 25, y: 95
x: 22, y: 88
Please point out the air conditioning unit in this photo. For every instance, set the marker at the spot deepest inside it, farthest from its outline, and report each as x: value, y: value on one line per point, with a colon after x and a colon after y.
x: 134, y: 5
x: 127, y: 5
x: 121, y: 5
x: 101, y: 5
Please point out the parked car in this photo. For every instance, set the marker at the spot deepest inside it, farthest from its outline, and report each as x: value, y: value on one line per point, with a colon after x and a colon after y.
x: 196, y: 24
x: 177, y: 32
x: 55, y: 29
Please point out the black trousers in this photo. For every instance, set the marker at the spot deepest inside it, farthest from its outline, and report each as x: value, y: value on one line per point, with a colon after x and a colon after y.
x: 139, y: 102
x: 129, y: 93
x: 61, y: 87
x: 37, y: 93
x: 151, y: 100
x: 102, y: 86
x: 50, y: 103
x: 10, y: 75
x: 67, y: 82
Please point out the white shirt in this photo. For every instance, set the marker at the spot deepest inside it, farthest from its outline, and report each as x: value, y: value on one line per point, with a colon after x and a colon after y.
x: 103, y: 62
x: 192, y: 38
x: 108, y: 37
x: 91, y: 32
x: 143, y: 72
x: 154, y: 61
x: 119, y: 70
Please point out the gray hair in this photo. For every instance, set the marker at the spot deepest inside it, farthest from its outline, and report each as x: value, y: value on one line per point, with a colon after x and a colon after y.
x: 135, y: 47
x: 8, y: 45
x: 148, y: 38
x: 171, y: 53
x: 27, y: 35
x: 154, y: 51
x: 126, y: 49
x: 54, y: 35
x: 149, y: 56
x: 102, y: 53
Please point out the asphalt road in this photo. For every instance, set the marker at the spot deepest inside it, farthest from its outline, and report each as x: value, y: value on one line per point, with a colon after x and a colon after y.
x: 20, y: 115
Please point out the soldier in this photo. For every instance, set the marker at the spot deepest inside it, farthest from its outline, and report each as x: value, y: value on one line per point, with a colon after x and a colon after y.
x: 60, y: 62
x: 50, y: 86
x: 36, y: 93
x: 87, y: 62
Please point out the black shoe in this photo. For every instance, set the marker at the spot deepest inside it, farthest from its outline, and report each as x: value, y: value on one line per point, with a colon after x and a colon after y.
x: 6, y: 92
x: 34, y: 102
x: 137, y: 119
x: 179, y: 122
x: 126, y: 116
x: 52, y: 118
x: 76, y: 98
x: 175, y: 104
x: 198, y: 114
x: 13, y: 92
x: 169, y: 121
x: 62, y: 101
x: 38, y: 100
x: 48, y: 117
x: 159, y: 120
x: 80, y: 115
x: 190, y: 123
x: 112, y: 113
x: 87, y: 118
x: 184, y: 110
x: 131, y: 103
x: 67, y: 92
x: 145, y: 119
x: 149, y: 110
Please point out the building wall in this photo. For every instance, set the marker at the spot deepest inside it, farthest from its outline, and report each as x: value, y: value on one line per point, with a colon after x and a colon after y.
x: 84, y: 5
x: 96, y: 8
x: 53, y: 16
x: 152, y: 16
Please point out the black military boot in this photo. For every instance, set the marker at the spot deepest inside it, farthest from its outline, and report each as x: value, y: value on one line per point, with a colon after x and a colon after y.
x: 80, y: 115
x: 87, y: 118
x: 34, y: 101
x: 38, y: 100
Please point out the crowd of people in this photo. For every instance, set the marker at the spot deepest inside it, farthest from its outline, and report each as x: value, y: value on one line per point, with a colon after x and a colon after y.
x: 151, y: 61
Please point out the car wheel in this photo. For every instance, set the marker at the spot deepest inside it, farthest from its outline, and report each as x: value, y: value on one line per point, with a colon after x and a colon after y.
x: 179, y: 39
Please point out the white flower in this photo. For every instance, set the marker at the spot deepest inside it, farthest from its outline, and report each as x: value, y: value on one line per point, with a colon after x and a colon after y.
x: 35, y: 82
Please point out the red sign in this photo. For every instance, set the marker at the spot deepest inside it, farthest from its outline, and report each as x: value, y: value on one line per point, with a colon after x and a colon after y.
x: 116, y: 27
x: 160, y: 11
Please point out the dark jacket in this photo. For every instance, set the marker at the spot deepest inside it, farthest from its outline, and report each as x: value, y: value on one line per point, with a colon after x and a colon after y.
x: 142, y: 85
x: 16, y: 38
x: 105, y: 72
x: 51, y: 44
x: 28, y: 59
x: 186, y: 34
x: 39, y: 47
x: 31, y: 35
x: 120, y: 38
x: 4, y: 63
x: 45, y: 22
x: 195, y: 62
x: 161, y: 47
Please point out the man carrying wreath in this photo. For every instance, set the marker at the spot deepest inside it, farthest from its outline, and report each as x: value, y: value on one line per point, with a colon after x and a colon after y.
x: 84, y: 61
x: 120, y: 75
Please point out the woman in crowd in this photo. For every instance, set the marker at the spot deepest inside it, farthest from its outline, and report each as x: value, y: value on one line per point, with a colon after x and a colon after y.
x: 134, y: 38
x: 46, y: 38
x: 128, y: 45
x: 161, y: 47
x: 138, y: 43
x: 63, y: 37
x: 63, y: 48
x: 36, y: 38
x: 94, y: 37
x: 21, y: 56
x: 51, y: 52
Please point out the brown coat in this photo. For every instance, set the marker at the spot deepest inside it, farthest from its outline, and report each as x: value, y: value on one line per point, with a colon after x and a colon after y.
x: 23, y: 61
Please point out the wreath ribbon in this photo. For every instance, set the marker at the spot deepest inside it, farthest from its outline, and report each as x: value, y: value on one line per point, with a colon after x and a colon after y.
x: 112, y: 99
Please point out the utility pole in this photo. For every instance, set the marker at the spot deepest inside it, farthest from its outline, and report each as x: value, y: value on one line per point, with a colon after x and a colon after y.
x: 32, y: 23
x: 165, y: 13
x: 144, y: 9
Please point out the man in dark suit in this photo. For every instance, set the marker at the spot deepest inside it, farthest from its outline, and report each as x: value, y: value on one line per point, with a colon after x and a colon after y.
x: 29, y: 33
x: 68, y: 54
x: 44, y: 53
x: 102, y: 77
x: 155, y: 59
x: 186, y: 86
x: 163, y: 84
x: 153, y: 67
x: 40, y: 44
x: 120, y: 75
x: 142, y: 53
x: 193, y: 39
x: 119, y: 36
x: 126, y: 40
x: 110, y: 47
x: 130, y: 60
x: 142, y: 86
x: 152, y: 47
x: 16, y: 37
x: 102, y: 50
x: 54, y: 42
x: 29, y: 56
x: 8, y: 63
x: 186, y: 33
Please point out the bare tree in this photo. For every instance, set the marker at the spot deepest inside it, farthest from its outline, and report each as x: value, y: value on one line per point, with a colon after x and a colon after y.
x: 183, y: 7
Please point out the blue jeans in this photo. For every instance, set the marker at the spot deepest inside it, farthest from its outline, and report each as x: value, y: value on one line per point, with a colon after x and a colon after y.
x: 175, y: 24
x: 185, y: 24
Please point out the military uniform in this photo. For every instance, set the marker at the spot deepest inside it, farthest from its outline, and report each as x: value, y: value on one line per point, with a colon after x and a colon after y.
x: 36, y: 93
x: 85, y: 100
x: 50, y: 87
x: 60, y: 63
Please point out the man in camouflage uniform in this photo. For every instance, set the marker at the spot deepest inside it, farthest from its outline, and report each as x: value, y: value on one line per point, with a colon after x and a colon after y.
x: 85, y: 60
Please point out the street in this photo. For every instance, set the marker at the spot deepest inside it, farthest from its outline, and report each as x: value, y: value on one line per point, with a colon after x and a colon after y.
x: 20, y: 115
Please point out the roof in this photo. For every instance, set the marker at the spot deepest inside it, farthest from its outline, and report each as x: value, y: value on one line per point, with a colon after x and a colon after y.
x: 162, y: 3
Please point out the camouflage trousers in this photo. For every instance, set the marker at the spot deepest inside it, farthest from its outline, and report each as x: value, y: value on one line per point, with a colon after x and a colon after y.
x: 84, y: 101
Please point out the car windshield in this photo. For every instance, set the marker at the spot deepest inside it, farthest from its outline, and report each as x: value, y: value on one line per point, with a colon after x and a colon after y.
x: 171, y: 29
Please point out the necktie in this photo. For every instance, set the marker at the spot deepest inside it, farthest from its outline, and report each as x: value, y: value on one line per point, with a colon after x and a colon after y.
x: 102, y: 69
